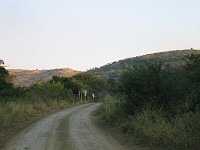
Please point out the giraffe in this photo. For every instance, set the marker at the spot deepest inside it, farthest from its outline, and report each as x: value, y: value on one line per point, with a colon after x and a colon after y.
x: 79, y: 90
x: 77, y: 87
x: 84, y: 94
x: 93, y: 95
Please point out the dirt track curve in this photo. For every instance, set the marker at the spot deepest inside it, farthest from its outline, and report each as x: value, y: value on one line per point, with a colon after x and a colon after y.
x: 70, y: 129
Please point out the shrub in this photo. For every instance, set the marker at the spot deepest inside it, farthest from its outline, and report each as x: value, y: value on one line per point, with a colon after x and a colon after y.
x: 181, y: 132
x: 159, y: 107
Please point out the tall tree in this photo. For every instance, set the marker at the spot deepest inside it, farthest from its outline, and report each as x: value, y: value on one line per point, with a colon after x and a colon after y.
x: 1, y: 62
x: 94, y: 83
x: 5, y: 84
x: 4, y: 74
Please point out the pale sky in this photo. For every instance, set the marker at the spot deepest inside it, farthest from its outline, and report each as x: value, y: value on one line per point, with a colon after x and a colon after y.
x: 83, y: 34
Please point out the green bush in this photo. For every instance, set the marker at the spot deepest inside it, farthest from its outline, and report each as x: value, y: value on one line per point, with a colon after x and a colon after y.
x: 45, y: 91
x: 143, y: 84
x: 158, y: 107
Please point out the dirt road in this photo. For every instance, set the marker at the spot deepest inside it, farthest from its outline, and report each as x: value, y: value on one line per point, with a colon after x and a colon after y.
x: 70, y: 129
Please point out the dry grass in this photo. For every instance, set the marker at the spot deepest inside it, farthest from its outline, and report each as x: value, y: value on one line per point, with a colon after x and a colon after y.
x: 15, y: 113
x: 27, y: 77
x: 151, y: 127
x: 181, y: 132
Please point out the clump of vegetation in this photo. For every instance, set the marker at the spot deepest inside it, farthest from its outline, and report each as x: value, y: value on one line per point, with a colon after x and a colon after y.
x: 155, y: 129
x: 160, y: 108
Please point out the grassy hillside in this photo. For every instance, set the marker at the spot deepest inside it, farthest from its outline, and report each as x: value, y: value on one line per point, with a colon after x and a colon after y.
x: 27, y: 77
x: 172, y: 60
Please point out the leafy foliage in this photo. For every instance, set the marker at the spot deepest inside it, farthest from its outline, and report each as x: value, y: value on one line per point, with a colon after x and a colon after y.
x: 45, y: 91
x: 150, y: 83
x: 158, y: 106
x: 94, y: 83
x: 142, y: 84
x: 1, y: 62
x: 5, y: 84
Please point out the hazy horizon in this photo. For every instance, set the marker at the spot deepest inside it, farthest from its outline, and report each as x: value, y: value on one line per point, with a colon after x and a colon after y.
x: 93, y: 67
x: 49, y: 34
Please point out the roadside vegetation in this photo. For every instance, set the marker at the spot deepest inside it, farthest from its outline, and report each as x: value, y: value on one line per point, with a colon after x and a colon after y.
x: 159, y: 108
x: 21, y: 105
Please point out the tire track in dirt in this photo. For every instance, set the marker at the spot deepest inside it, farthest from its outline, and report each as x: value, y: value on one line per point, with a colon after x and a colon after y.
x: 84, y: 135
x: 69, y: 129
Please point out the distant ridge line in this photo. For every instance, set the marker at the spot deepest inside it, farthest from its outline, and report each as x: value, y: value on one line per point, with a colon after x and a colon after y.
x: 23, y: 77
x: 172, y: 60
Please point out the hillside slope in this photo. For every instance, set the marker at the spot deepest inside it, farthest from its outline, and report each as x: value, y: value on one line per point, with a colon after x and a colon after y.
x: 172, y: 60
x: 27, y: 77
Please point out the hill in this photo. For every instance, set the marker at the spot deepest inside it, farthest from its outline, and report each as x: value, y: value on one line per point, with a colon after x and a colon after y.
x: 173, y: 60
x: 27, y: 77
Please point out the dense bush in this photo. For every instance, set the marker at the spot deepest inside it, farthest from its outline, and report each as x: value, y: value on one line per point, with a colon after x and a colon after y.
x: 159, y: 107
x: 46, y: 91
x: 5, y: 84
x: 173, y: 92
x: 142, y: 84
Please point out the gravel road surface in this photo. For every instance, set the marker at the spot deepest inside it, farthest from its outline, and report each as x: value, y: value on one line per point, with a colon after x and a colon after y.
x: 69, y: 129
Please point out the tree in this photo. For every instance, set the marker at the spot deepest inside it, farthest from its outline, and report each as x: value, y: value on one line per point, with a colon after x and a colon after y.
x: 5, y: 84
x: 143, y: 84
x: 4, y: 74
x: 1, y: 62
x: 95, y: 84
x: 69, y: 83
